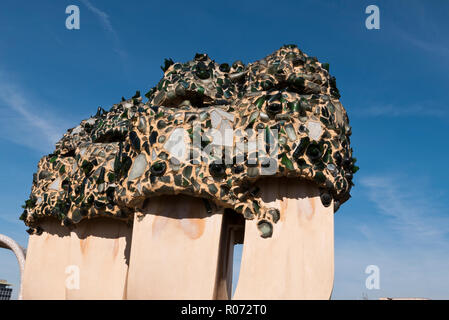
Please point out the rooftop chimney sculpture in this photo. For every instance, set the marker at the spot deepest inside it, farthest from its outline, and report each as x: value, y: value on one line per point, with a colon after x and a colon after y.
x: 147, y: 199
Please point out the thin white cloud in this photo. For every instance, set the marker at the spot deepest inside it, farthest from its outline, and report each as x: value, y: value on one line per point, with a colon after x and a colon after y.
x: 17, y: 103
x: 107, y: 25
x: 427, y: 109
x: 408, y: 241
x: 422, y: 30
x: 427, y: 37
x: 418, y: 214
x: 25, y: 120
x: 103, y: 16
x: 439, y: 48
x: 405, y: 270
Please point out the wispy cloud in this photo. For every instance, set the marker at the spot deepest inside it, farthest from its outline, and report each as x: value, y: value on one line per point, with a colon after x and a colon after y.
x: 423, y: 31
x: 405, y: 270
x: 25, y: 120
x: 426, y: 109
x: 440, y: 48
x: 103, y: 16
x: 408, y: 241
x: 107, y: 25
x: 419, y: 215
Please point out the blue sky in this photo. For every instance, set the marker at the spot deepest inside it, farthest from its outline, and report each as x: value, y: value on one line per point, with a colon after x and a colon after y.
x: 393, y: 81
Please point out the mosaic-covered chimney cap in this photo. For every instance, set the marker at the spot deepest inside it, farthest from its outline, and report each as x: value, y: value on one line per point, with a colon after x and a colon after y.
x: 208, y: 130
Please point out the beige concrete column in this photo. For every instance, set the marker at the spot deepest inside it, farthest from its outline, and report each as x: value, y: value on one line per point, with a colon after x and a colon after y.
x: 297, y: 262
x: 89, y: 262
x: 101, y: 248
x: 47, y: 259
x: 175, y: 250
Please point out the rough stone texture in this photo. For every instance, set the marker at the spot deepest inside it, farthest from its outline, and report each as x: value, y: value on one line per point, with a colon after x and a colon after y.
x: 87, y: 175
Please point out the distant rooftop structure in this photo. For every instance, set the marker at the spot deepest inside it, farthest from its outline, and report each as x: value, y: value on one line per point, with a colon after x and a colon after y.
x: 5, y: 292
x: 387, y: 298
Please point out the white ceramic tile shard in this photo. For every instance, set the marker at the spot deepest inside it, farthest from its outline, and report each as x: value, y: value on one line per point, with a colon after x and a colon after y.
x: 315, y: 130
x: 74, y: 167
x: 55, y: 184
x: 91, y: 121
x: 227, y: 133
x: 176, y: 144
x: 77, y: 130
x: 225, y: 115
x: 290, y: 132
x: 215, y: 118
x: 138, y: 167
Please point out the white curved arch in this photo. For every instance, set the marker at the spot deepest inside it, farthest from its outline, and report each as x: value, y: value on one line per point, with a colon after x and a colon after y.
x: 8, y: 243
